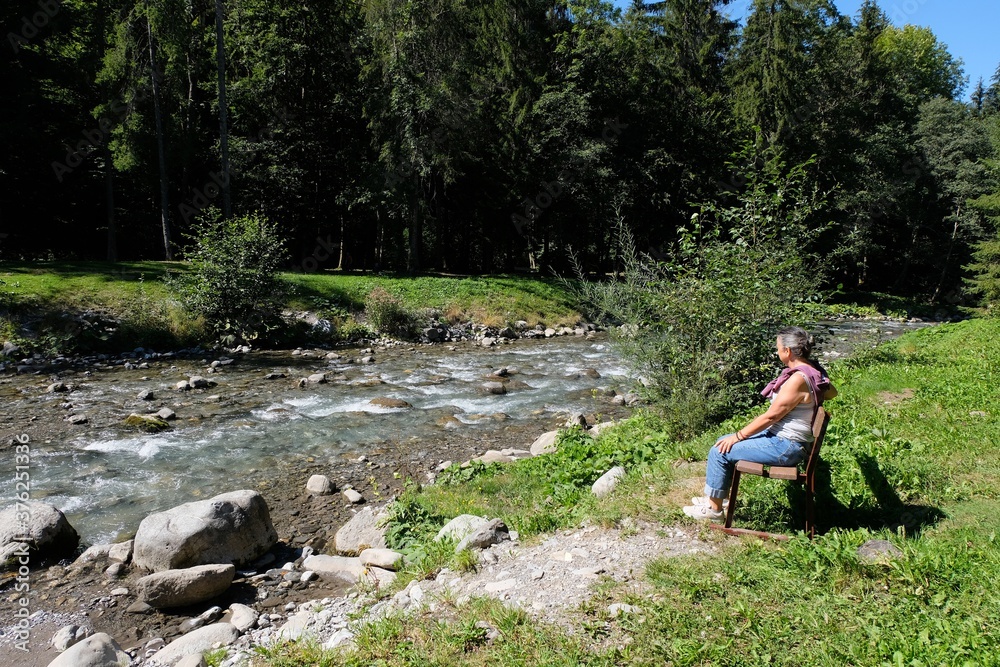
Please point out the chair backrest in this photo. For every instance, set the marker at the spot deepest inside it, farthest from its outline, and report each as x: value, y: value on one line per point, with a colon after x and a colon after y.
x: 820, y: 422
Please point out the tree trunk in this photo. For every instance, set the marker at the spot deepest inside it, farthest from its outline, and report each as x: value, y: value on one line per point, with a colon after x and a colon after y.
x: 220, y: 57
x: 110, y: 194
x: 160, y: 149
x: 413, y: 256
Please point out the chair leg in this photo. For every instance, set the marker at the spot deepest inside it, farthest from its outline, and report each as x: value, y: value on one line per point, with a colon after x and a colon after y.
x: 733, y: 490
x: 810, y: 513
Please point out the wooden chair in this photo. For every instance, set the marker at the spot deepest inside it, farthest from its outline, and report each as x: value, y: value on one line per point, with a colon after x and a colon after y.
x: 791, y: 473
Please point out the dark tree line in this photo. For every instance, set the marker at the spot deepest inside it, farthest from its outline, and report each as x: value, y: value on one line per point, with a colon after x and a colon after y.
x: 486, y: 135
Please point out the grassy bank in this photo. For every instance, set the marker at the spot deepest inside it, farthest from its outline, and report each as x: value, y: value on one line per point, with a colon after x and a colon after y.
x: 911, y: 457
x: 139, y: 309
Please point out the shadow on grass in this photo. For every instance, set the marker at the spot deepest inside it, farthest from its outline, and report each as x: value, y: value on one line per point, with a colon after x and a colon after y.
x: 108, y: 271
x: 890, y: 513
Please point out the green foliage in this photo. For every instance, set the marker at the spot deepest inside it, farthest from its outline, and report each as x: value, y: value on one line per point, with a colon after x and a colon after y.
x: 986, y: 273
x: 233, y: 282
x: 386, y: 314
x: 699, y: 327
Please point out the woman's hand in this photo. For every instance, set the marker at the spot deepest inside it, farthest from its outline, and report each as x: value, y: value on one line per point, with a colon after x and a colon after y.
x: 726, y: 443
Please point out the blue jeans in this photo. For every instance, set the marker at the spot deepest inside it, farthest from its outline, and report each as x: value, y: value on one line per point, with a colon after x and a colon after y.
x: 760, y: 448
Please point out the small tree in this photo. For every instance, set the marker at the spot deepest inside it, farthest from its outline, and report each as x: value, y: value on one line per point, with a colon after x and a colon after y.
x: 699, y: 327
x: 233, y: 282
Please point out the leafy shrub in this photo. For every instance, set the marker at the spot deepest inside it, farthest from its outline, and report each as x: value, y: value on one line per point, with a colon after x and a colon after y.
x: 699, y: 326
x: 386, y: 313
x: 233, y: 282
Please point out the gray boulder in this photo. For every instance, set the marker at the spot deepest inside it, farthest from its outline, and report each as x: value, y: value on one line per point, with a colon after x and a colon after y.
x: 38, y: 528
x: 608, y: 481
x: 242, y: 617
x: 229, y: 528
x: 493, y: 532
x: 461, y: 527
x: 544, y: 444
x: 365, y: 530
x: 121, y: 552
x: 197, y: 642
x: 68, y: 636
x: 319, y: 485
x: 385, y: 558
x: 179, y: 588
x: 98, y: 650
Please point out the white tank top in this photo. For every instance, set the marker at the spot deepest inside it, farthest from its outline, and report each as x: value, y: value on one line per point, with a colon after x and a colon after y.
x: 797, y: 424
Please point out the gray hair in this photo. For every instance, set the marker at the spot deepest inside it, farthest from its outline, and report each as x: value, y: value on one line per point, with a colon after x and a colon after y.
x: 798, y: 340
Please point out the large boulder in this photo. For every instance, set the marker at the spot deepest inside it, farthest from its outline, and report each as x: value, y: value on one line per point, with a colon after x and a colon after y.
x: 179, y: 588
x: 365, y: 530
x: 36, y: 530
x: 229, y: 528
x: 544, y: 444
x: 461, y: 527
x: 196, y: 642
x: 98, y: 650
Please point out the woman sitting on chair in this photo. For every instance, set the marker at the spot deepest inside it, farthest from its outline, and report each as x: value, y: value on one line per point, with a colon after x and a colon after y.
x: 780, y: 436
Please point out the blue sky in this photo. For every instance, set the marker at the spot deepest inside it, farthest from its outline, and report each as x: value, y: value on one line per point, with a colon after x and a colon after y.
x: 968, y: 27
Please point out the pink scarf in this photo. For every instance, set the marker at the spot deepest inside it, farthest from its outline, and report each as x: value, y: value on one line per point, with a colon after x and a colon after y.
x: 816, y: 375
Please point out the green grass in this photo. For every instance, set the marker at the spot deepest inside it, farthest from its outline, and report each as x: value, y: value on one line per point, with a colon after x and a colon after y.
x: 148, y: 314
x: 911, y: 457
x: 491, y: 300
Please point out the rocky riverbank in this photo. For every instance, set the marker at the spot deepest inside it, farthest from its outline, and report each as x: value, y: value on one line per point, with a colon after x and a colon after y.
x: 46, y: 398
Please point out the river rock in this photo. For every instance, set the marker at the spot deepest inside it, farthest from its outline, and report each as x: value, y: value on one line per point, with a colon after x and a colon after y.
x: 319, y: 485
x: 93, y: 554
x: 349, y: 569
x: 198, y: 382
x: 98, y: 650
x: 461, y: 527
x: 432, y: 334
x: 56, y: 388
x: 295, y: 627
x: 232, y: 527
x: 544, y: 444
x: 193, y: 660
x: 242, y: 617
x: 607, y: 482
x: 178, y: 588
x: 493, y: 532
x: 121, y: 552
x: 183, y: 385
x: 197, y: 642
x: 147, y: 423
x: 365, y: 530
x: 493, y: 456
x: 146, y: 395
x: 35, y: 528
x: 386, y: 402
x: 317, y: 378
x: 166, y: 414
x: 353, y: 496
x: 599, y: 428
x: 495, y: 388
x: 77, y: 420
x: 386, y: 559
x: 68, y: 636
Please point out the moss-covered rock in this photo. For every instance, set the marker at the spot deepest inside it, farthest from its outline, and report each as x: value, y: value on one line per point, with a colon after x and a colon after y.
x: 148, y: 423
